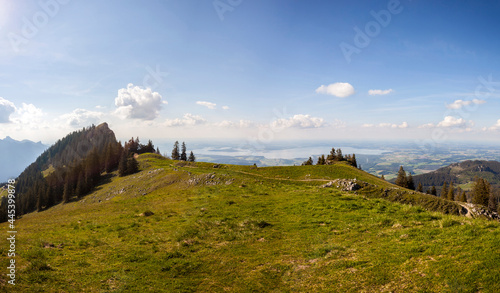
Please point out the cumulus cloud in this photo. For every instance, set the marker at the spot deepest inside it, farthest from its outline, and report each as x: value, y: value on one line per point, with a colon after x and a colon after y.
x: 300, y: 121
x: 207, y: 104
x: 338, y: 89
x: 138, y: 103
x: 231, y: 124
x: 450, y: 121
x: 6, y: 109
x: 187, y: 120
x: 379, y: 92
x: 225, y: 108
x: 496, y: 126
x: 82, y: 117
x: 458, y: 104
x: 28, y: 114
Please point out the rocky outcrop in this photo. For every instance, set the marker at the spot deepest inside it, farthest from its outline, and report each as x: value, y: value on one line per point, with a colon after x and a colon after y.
x: 344, y: 184
x: 478, y: 211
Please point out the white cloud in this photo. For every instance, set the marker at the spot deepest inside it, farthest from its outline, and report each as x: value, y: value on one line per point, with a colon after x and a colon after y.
x: 231, y: 124
x: 299, y: 121
x: 28, y: 114
x: 379, y: 92
x: 450, y: 121
x: 225, y: 108
x: 82, y: 117
x: 386, y: 125
x: 187, y: 120
x: 496, y: 126
x: 139, y: 103
x: 428, y: 125
x: 207, y: 104
x: 6, y: 109
x: 338, y: 89
x: 458, y: 104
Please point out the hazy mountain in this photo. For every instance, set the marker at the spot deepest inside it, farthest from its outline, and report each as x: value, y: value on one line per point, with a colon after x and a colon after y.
x: 17, y: 155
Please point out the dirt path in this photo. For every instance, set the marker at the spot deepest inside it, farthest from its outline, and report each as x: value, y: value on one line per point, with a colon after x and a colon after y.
x: 287, y: 179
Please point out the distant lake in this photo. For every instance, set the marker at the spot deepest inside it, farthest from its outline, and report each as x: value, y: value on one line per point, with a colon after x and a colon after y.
x: 283, y: 152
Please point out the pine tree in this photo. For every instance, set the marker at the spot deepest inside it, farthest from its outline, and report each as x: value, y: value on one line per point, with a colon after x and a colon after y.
x: 331, y: 157
x: 158, y: 151
x: 191, y: 158
x: 67, y: 191
x: 420, y: 188
x: 354, y: 163
x: 401, y: 180
x: 433, y: 190
x: 492, y: 203
x: 383, y: 177
x: 411, y: 184
x: 481, y: 192
x: 444, y: 190
x: 463, y: 197
x: 122, y: 167
x: 308, y: 162
x: 339, y: 157
x: 132, y: 165
x: 183, y: 152
x: 81, y: 187
x: 321, y: 160
x: 451, y: 192
x: 175, y: 151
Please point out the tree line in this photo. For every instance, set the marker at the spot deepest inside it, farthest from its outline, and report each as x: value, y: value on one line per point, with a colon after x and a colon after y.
x: 480, y: 194
x: 89, y: 154
x: 334, y: 156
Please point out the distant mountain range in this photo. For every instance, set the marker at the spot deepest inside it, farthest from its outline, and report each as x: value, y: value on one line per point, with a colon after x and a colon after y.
x: 462, y: 174
x: 16, y: 155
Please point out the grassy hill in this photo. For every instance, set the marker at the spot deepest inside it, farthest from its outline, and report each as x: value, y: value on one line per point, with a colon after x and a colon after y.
x: 200, y: 227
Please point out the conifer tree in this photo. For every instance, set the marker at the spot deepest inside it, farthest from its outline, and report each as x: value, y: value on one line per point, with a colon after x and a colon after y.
x: 122, y: 167
x: 383, y: 177
x: 183, y: 152
x: 331, y: 157
x: 191, y: 158
x: 481, y: 192
x: 81, y: 187
x: 420, y: 188
x: 308, y: 162
x: 354, y: 163
x: 451, y: 192
x: 339, y: 157
x: 401, y: 180
x: 175, y: 151
x: 67, y: 191
x: 463, y: 197
x: 433, y: 190
x: 132, y: 165
x: 492, y: 203
x: 411, y: 184
x: 444, y: 190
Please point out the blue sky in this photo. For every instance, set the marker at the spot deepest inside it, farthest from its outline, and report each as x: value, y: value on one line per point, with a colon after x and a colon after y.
x: 251, y: 69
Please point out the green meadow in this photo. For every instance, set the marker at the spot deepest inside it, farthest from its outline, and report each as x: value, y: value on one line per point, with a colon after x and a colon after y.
x: 200, y: 227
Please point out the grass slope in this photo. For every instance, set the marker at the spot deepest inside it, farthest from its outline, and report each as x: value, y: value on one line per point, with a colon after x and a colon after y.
x: 239, y: 229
